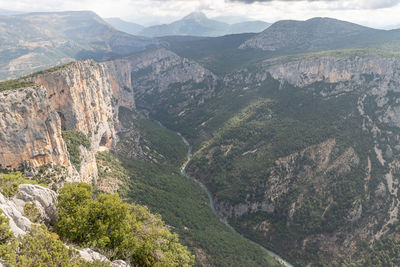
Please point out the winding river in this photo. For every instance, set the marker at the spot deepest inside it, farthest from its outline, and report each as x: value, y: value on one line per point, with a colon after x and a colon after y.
x: 210, y: 198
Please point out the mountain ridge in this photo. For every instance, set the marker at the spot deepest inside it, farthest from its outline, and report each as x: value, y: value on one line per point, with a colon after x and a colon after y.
x: 125, y: 26
x: 198, y: 24
x: 34, y: 41
x: 309, y: 35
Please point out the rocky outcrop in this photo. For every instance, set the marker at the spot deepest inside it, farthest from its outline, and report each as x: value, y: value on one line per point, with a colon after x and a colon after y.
x: 19, y: 224
x: 42, y: 199
x: 90, y: 256
x: 357, y: 70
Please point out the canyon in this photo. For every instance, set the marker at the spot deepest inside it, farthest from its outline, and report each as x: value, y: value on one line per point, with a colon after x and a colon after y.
x: 298, y: 152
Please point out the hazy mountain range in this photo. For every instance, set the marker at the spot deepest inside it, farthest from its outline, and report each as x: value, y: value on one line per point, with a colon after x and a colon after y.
x: 125, y: 26
x: 194, y: 24
x: 318, y: 34
x: 33, y: 41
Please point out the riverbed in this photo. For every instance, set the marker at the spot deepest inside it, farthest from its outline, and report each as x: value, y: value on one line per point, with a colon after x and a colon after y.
x: 211, y: 200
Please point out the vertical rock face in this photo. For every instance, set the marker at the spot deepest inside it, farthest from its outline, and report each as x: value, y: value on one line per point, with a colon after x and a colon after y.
x: 30, y: 129
x: 335, y: 70
x: 162, y: 78
x: 84, y: 96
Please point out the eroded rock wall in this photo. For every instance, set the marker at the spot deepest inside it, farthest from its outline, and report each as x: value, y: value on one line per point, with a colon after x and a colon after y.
x: 30, y: 129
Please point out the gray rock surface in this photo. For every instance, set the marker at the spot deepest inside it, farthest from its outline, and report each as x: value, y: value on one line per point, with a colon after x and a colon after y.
x: 91, y: 255
x: 44, y: 199
x: 19, y: 224
x: 119, y: 263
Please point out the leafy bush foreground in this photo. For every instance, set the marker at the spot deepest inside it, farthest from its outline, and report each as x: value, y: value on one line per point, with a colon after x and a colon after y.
x: 117, y: 229
x: 107, y: 224
x: 37, y: 248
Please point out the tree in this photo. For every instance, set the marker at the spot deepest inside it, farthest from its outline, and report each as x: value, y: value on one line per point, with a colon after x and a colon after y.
x: 73, y: 211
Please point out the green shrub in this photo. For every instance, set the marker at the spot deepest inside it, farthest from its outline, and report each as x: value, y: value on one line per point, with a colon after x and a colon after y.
x: 10, y: 181
x: 15, y: 84
x: 110, y: 167
x: 117, y: 229
x: 38, y: 247
x: 41, y: 248
x: 24, y: 82
x: 73, y: 139
x: 31, y: 211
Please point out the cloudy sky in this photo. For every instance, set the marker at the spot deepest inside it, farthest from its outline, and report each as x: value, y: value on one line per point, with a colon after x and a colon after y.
x: 374, y: 13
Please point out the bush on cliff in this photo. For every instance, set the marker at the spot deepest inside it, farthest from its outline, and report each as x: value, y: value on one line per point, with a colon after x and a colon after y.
x: 38, y: 247
x: 10, y: 181
x: 117, y: 229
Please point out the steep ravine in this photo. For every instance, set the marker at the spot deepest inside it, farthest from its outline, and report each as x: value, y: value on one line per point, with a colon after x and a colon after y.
x: 212, y: 206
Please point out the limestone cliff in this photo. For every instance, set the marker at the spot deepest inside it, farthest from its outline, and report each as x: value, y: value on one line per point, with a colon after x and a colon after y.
x: 304, y: 72
x: 30, y: 129
x: 160, y: 74
x: 84, y: 96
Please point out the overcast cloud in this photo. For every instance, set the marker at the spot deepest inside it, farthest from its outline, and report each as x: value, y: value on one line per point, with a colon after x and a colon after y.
x: 355, y: 4
x: 374, y: 13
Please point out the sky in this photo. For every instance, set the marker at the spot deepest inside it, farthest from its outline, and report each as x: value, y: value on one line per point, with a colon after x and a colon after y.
x: 373, y: 13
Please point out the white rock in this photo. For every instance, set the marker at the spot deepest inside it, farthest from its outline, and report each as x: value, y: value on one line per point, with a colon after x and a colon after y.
x: 44, y: 198
x: 18, y: 223
x: 90, y: 255
x: 120, y: 263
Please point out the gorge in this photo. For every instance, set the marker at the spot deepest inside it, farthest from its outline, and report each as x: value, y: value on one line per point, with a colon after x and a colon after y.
x: 294, y: 149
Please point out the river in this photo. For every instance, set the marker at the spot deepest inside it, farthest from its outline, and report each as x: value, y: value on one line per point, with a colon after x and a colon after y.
x: 211, y: 200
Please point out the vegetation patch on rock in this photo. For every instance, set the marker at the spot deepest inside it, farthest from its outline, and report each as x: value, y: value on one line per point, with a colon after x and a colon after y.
x: 73, y: 139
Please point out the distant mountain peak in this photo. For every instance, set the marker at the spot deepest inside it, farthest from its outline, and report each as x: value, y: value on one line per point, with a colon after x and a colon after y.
x: 322, y: 19
x: 198, y: 24
x: 195, y: 16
